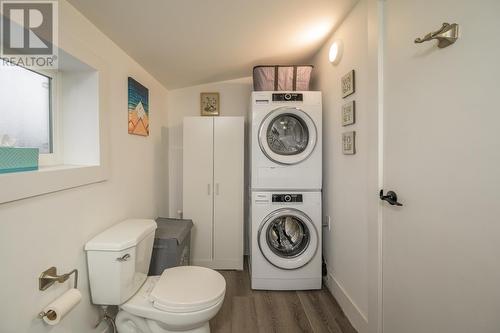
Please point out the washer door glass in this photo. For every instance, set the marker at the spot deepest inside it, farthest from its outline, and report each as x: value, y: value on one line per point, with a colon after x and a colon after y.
x: 287, y: 236
x: 287, y: 134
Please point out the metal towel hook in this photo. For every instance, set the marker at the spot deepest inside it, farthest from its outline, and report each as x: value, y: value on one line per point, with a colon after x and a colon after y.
x: 447, y: 35
x: 49, y: 277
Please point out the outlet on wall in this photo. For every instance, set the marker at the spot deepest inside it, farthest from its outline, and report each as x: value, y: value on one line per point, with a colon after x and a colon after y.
x: 327, y: 223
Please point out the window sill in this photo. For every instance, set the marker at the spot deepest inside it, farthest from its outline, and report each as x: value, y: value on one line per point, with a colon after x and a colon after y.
x: 22, y: 185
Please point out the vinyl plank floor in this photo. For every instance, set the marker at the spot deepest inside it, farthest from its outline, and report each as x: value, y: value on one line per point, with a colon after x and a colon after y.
x: 280, y: 311
x: 256, y: 311
x: 244, y: 318
x: 322, y: 316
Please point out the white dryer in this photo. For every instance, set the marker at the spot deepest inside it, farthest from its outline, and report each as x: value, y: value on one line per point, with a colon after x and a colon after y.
x: 286, y: 143
x: 285, y: 243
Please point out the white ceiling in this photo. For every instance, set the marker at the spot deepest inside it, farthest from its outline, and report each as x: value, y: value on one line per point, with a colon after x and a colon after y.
x: 189, y: 42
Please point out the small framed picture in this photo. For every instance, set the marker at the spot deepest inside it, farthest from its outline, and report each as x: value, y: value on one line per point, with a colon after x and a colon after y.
x: 347, y: 84
x: 349, y: 143
x: 209, y: 104
x: 349, y: 113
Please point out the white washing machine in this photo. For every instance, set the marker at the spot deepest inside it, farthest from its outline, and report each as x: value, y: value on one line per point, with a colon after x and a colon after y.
x: 286, y: 240
x: 286, y: 140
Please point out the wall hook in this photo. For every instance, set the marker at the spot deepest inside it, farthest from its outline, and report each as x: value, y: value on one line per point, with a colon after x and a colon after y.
x: 447, y: 35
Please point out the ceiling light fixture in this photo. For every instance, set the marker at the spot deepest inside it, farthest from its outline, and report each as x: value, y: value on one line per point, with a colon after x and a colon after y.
x: 335, y: 53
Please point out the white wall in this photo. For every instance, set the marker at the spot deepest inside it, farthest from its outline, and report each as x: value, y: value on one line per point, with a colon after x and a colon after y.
x: 347, y: 178
x: 51, y: 230
x: 234, y: 101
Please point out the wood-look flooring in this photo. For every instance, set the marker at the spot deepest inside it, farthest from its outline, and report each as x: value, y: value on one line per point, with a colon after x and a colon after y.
x: 246, y: 310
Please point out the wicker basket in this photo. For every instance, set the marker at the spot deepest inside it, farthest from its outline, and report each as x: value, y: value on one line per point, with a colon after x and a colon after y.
x: 279, y: 78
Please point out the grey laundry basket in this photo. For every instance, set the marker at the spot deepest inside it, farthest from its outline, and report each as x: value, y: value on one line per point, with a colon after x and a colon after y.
x: 171, y: 245
x: 291, y: 78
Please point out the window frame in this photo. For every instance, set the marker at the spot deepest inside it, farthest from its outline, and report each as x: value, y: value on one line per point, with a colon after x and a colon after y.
x: 70, y: 172
x: 53, y: 158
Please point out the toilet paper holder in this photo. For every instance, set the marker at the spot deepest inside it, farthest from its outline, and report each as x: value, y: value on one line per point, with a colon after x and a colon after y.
x: 49, y: 277
x: 52, y: 315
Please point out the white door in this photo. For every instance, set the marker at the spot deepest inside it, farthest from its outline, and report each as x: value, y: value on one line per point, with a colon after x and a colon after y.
x: 441, y: 250
x: 198, y: 184
x: 229, y: 148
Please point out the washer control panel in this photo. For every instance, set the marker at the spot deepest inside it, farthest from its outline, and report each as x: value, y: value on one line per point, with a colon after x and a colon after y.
x: 288, y: 97
x: 287, y: 198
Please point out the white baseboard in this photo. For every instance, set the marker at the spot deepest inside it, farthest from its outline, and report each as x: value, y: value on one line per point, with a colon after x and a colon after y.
x: 351, y: 310
x: 236, y: 264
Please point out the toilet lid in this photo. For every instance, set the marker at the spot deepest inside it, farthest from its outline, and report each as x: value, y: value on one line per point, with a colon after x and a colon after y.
x: 188, y: 289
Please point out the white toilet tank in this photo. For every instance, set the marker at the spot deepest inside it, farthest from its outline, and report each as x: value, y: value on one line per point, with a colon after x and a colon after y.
x: 118, y: 260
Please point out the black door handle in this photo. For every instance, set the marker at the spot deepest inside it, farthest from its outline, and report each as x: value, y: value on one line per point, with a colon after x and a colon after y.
x: 391, y: 197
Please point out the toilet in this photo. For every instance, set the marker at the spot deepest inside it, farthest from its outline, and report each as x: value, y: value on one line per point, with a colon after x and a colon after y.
x: 181, y: 299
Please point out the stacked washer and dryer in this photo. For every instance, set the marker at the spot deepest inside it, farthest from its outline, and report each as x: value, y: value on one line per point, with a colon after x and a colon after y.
x: 286, y: 182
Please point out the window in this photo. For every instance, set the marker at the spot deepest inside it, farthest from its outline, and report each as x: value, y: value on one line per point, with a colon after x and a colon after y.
x: 32, y: 106
x: 26, y: 109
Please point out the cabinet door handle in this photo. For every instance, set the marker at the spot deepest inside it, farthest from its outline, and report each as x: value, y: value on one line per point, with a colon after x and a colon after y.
x: 208, y: 189
x: 217, y: 188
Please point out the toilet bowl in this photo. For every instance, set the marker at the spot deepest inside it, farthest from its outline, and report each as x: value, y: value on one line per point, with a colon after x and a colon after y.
x: 193, y: 322
x: 182, y: 299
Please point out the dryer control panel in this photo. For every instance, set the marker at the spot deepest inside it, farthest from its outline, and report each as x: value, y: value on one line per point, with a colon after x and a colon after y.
x: 288, y: 97
x: 287, y: 198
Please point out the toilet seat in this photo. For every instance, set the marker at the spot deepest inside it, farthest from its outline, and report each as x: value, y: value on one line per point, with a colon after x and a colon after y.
x: 188, y: 289
x: 143, y: 305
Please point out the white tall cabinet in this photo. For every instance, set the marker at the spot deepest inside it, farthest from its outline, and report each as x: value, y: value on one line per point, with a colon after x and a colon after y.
x: 213, y: 176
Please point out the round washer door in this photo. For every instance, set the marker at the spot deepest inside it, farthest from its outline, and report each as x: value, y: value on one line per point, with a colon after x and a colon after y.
x: 287, y: 238
x: 287, y: 135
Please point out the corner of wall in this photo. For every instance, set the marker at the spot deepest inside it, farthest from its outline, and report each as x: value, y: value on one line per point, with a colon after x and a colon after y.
x: 358, y: 320
x: 345, y: 177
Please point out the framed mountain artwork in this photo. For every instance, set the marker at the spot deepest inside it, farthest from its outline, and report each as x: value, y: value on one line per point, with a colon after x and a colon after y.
x: 138, y: 108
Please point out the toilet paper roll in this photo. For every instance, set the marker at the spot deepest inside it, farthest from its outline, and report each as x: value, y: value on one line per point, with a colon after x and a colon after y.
x: 56, y: 310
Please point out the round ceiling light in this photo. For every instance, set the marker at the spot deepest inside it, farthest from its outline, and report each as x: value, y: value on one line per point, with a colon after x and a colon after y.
x: 335, y: 53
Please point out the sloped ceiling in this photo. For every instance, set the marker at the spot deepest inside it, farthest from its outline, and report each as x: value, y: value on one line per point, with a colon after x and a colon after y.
x: 189, y: 42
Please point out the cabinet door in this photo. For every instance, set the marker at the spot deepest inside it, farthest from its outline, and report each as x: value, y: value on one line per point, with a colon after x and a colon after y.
x: 198, y: 184
x: 228, y: 198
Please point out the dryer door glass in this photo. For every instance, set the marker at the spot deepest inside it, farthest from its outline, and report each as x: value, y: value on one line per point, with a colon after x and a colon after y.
x: 287, y: 236
x: 287, y: 134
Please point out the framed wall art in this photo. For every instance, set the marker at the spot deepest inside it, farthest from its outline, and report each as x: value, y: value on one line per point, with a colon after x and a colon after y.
x: 209, y: 103
x: 349, y: 143
x: 348, y: 84
x: 349, y: 113
x: 138, y: 108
